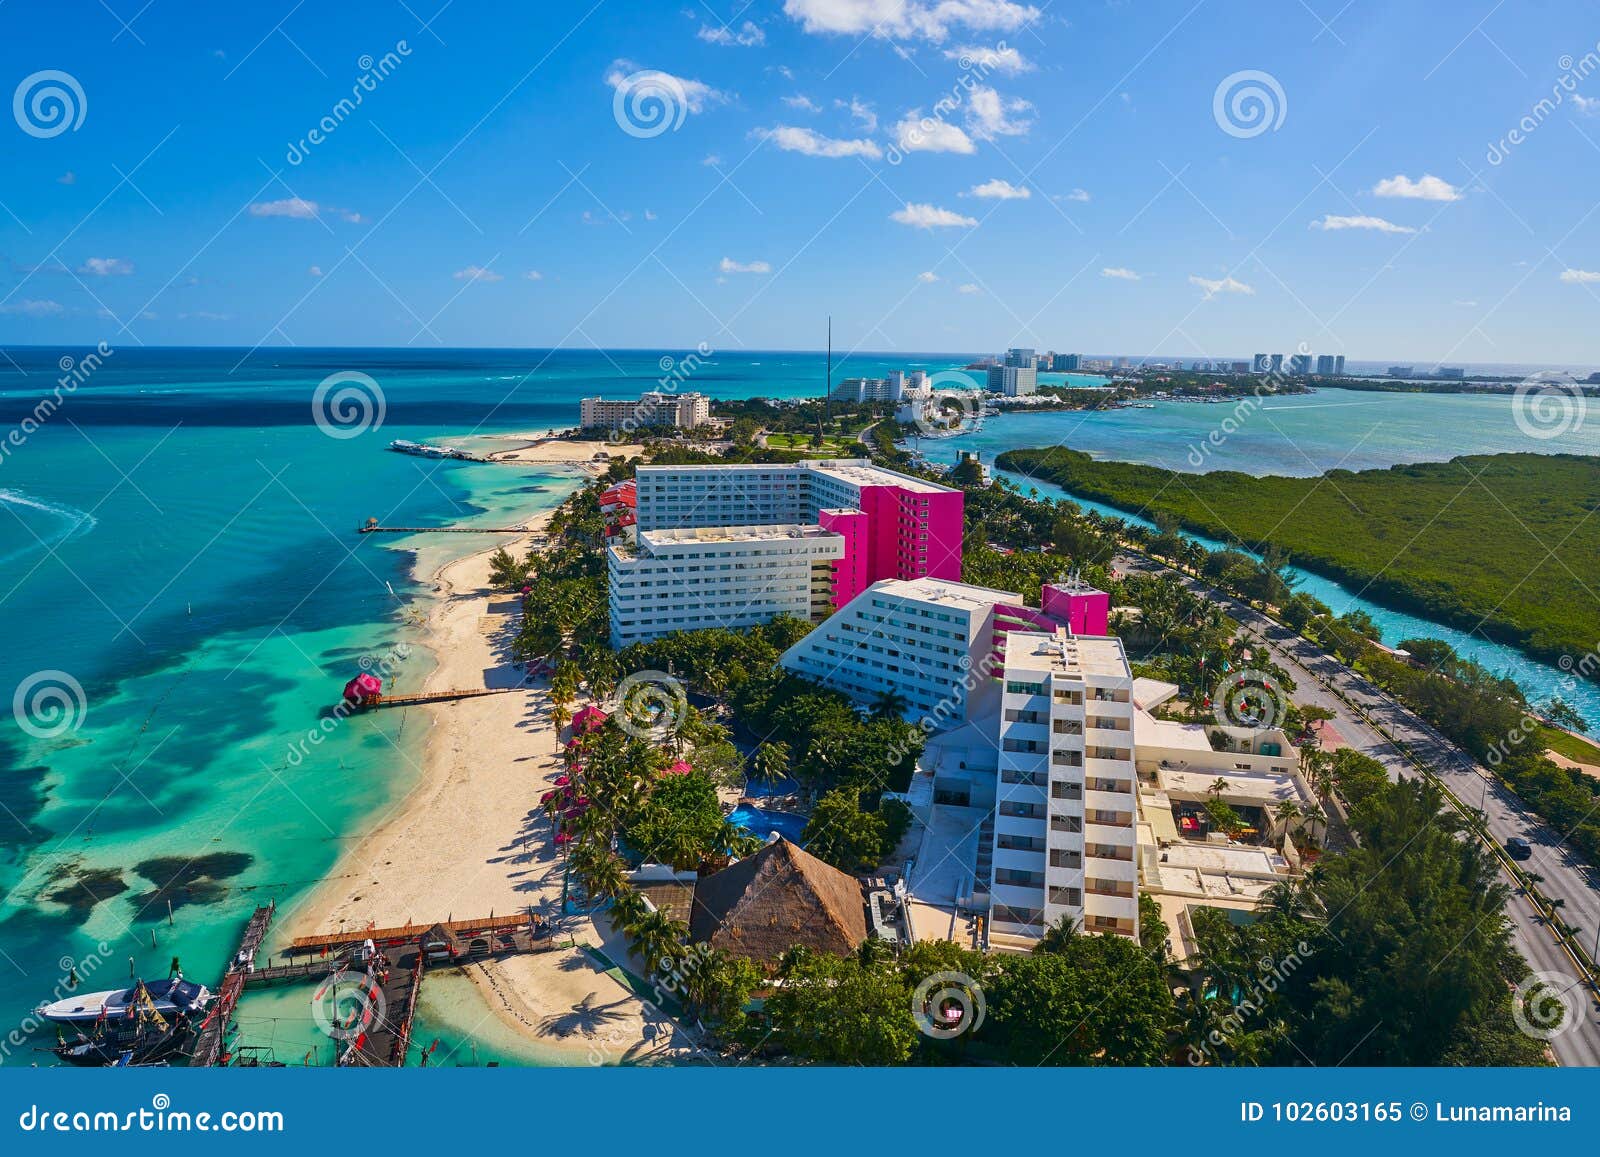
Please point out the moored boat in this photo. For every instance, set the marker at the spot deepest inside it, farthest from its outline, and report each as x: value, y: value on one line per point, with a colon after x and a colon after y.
x: 176, y: 997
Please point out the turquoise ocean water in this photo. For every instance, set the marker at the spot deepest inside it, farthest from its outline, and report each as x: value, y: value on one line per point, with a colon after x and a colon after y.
x: 177, y: 559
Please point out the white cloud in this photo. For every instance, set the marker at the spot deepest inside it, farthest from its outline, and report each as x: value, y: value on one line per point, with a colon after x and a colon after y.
x: 803, y: 102
x: 747, y: 35
x: 998, y: 190
x: 930, y: 217
x: 696, y: 94
x: 927, y: 277
x: 205, y: 315
x: 991, y: 115
x: 1579, y: 276
x: 314, y: 271
x: 649, y: 214
x: 534, y: 275
x: 903, y: 19
x: 917, y: 134
x: 1329, y: 221
x: 1588, y: 105
x: 1226, y: 285
x: 1000, y: 58
x: 106, y: 267
x: 792, y: 139
x: 67, y: 178
x: 1076, y: 195
x: 711, y: 161
x: 968, y: 288
x: 476, y: 273
x: 729, y: 265
x: 1425, y: 188
x: 864, y: 114
x: 33, y: 307
x: 1120, y: 274
x: 300, y: 209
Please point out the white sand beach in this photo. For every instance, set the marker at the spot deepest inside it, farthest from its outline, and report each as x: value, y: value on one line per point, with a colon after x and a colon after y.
x: 468, y: 838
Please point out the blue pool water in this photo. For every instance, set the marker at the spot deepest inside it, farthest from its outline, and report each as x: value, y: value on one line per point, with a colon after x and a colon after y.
x: 764, y: 821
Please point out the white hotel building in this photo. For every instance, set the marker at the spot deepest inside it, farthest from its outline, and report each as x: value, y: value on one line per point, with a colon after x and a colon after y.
x: 1065, y: 839
x: 732, y: 546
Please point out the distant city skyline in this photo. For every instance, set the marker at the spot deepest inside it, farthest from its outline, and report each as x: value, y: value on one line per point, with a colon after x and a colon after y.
x: 1153, y: 177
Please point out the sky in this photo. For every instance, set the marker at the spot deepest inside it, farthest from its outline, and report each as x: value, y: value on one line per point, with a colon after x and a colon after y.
x: 1386, y: 180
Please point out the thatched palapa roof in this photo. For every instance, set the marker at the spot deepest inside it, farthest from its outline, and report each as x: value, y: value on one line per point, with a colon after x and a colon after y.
x: 767, y: 903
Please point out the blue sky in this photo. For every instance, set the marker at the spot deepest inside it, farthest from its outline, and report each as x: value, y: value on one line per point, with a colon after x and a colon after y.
x: 939, y: 174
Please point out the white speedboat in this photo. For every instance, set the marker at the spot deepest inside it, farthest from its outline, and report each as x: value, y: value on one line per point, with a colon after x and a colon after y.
x: 169, y: 997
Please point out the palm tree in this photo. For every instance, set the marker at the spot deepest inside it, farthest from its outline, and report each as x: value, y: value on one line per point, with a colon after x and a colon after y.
x: 657, y: 938
x: 1058, y: 935
x: 628, y: 907
x: 1314, y: 816
x: 771, y: 761
x: 889, y: 704
x: 1218, y: 786
x: 1286, y: 812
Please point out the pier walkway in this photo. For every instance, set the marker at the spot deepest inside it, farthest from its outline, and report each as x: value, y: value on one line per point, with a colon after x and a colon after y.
x: 392, y: 976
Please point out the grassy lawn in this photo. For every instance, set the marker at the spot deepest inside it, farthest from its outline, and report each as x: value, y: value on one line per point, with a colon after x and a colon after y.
x: 1570, y: 746
x: 832, y: 446
x: 1505, y: 540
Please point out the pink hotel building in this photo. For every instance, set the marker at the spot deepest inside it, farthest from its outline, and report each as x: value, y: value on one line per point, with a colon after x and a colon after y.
x: 734, y: 545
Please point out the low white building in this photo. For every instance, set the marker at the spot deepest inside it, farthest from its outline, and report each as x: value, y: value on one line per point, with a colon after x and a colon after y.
x: 691, y: 578
x: 655, y: 408
x: 926, y: 641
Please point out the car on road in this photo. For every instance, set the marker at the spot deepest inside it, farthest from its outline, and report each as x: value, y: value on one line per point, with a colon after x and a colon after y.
x: 1518, y: 848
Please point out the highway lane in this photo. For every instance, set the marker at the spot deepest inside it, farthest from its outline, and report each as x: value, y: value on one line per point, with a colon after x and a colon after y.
x: 1321, y: 679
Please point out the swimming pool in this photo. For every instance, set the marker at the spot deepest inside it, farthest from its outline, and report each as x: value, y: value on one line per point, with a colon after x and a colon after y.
x: 764, y: 821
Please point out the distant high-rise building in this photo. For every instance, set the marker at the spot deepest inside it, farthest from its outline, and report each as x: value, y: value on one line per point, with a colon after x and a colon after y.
x: 1260, y: 363
x: 1454, y: 373
x: 1013, y: 381
x: 1020, y: 357
x: 1401, y: 372
x: 1338, y: 366
x: 1240, y: 367
x: 1276, y: 364
x: 1063, y: 363
x: 1325, y: 365
x: 1299, y: 365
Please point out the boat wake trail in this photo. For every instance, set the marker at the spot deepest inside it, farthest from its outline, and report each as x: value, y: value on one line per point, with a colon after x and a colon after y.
x: 70, y: 522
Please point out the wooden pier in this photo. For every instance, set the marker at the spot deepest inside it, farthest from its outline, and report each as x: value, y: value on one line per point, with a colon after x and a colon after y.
x: 370, y: 529
x: 434, y: 696
x: 392, y: 976
x: 208, y: 1050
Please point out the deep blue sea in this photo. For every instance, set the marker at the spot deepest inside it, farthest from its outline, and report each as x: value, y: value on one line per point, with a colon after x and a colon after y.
x: 180, y: 580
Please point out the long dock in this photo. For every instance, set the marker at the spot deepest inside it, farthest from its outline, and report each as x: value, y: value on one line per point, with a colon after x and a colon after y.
x: 393, y: 975
x: 208, y: 1049
x: 441, y: 530
x: 435, y: 696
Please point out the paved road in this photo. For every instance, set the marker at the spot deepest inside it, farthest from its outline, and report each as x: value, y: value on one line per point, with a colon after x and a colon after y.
x: 1566, y: 877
